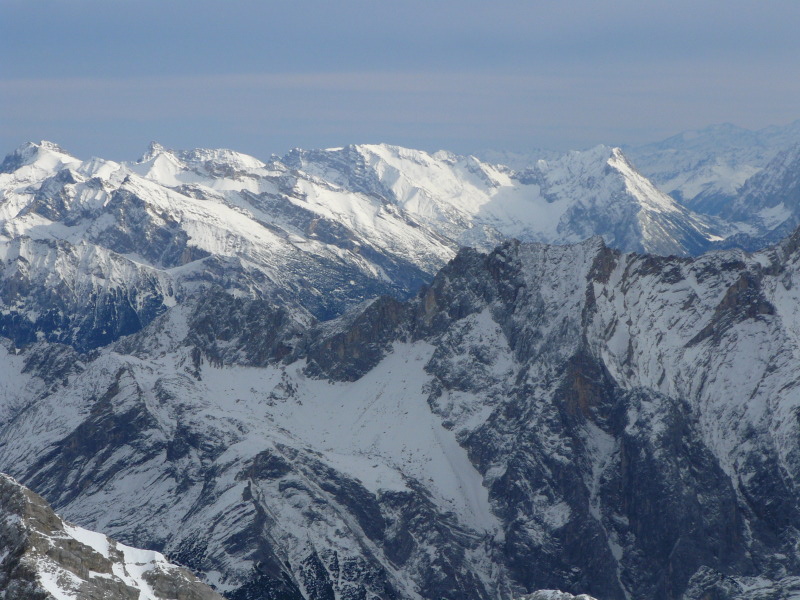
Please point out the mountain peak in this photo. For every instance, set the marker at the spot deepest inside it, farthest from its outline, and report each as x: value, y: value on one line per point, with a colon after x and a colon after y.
x: 617, y: 152
x: 44, y: 145
x: 46, y: 155
x: 153, y: 150
x: 617, y: 158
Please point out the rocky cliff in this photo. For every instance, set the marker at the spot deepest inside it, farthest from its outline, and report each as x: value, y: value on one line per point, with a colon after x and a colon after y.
x: 539, y: 417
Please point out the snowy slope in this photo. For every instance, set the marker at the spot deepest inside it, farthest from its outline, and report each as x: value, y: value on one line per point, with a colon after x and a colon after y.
x: 72, y: 230
x: 250, y: 422
x: 702, y: 168
x: 768, y: 204
x: 166, y: 383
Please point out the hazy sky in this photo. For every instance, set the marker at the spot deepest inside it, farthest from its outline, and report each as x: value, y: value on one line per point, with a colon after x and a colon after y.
x: 104, y: 77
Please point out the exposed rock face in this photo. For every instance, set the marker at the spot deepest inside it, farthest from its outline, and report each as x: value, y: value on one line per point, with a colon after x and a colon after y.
x: 539, y: 417
x: 44, y: 558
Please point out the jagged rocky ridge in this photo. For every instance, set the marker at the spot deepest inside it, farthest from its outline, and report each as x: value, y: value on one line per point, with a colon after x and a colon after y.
x: 560, y: 417
x: 45, y: 558
x: 93, y: 250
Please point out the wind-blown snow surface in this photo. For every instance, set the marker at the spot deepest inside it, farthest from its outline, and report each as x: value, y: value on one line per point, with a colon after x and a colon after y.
x: 324, y: 230
x: 541, y: 417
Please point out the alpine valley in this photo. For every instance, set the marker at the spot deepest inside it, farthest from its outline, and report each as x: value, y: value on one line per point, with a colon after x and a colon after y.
x: 372, y: 373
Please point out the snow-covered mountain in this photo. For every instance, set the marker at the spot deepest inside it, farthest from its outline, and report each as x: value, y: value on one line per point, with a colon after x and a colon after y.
x: 321, y: 230
x: 740, y: 180
x: 566, y: 200
x: 540, y: 417
x: 701, y: 168
x: 745, y: 180
x: 130, y: 245
x: 45, y: 558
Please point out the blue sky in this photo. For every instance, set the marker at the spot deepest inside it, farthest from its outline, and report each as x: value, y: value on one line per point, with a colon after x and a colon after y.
x: 106, y: 77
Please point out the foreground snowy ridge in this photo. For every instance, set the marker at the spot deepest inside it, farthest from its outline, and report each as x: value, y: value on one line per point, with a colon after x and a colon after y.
x: 45, y: 558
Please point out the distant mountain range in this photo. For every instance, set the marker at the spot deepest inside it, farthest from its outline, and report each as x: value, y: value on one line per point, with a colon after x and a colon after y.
x: 694, y: 167
x: 324, y: 230
x: 711, y: 162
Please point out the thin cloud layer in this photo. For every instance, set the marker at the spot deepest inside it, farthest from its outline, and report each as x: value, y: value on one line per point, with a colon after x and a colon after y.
x: 104, y: 78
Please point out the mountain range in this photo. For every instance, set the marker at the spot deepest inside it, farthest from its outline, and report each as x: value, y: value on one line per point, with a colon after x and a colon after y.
x: 374, y: 372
